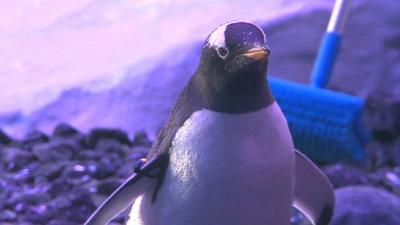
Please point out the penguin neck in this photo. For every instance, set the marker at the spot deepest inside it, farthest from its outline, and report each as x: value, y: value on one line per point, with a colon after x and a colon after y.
x: 244, y: 93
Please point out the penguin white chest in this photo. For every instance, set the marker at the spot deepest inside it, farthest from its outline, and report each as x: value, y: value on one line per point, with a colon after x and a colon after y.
x: 225, y: 169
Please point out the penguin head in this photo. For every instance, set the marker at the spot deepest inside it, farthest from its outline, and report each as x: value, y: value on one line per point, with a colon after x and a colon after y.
x: 233, y: 67
x: 234, y: 47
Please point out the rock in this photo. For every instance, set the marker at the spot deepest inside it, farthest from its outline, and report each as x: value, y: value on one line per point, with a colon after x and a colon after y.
x: 8, y: 216
x: 60, y: 186
x: 393, y: 153
x: 342, y: 175
x: 141, y: 139
x: 35, y: 137
x: 51, y: 170
x: 61, y: 222
x: 4, y: 138
x: 367, y: 206
x: 383, y: 154
x: 64, y: 130
x: 392, y: 180
x: 15, y: 159
x: 105, y: 168
x: 87, y: 155
x: 97, y: 134
x: 74, y: 206
x: 56, y: 150
x: 388, y: 178
x: 83, y: 206
x: 383, y: 112
x: 28, y: 197
x: 21, y: 207
x: 108, y: 186
x: 111, y: 146
x: 125, y: 170
x: 39, y: 214
x: 25, y: 175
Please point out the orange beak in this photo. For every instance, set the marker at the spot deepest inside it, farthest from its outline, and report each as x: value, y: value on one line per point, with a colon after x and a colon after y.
x: 257, y: 53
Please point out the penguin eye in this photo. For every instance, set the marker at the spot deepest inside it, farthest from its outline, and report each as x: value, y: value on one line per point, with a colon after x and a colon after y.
x: 222, y: 52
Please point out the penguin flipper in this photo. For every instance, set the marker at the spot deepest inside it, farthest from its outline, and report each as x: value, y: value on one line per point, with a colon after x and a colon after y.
x: 314, y: 194
x: 125, y: 194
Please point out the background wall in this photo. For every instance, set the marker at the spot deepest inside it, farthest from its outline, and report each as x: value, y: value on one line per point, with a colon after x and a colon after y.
x: 122, y: 63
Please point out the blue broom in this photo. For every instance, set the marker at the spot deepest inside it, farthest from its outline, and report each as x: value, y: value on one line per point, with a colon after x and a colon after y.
x: 325, y: 125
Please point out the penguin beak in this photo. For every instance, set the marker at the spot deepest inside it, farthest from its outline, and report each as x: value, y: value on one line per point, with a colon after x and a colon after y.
x: 257, y: 53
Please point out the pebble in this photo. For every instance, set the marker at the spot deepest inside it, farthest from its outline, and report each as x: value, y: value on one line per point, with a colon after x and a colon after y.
x: 367, y: 206
x: 98, y: 134
x: 60, y: 180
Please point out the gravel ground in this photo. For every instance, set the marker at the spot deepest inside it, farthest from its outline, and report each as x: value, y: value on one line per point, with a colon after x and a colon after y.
x: 60, y: 179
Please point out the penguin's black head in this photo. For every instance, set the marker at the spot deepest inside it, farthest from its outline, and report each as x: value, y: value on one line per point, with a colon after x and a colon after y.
x: 233, y: 47
x: 233, y: 66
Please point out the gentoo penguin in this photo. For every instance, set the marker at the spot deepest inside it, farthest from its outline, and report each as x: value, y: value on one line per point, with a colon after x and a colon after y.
x: 225, y: 155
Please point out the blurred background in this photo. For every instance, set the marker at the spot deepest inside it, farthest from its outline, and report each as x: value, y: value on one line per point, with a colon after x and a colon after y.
x: 119, y: 64
x: 112, y: 63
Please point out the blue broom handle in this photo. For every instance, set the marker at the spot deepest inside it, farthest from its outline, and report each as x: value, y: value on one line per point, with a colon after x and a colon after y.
x: 330, y: 45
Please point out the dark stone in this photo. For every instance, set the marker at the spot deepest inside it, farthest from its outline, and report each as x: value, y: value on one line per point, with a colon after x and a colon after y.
x: 28, y: 197
x: 21, y: 207
x: 61, y: 222
x: 104, y: 169
x: 102, y: 133
x: 83, y: 206
x: 141, y: 139
x: 35, y: 137
x: 56, y: 150
x: 4, y: 138
x: 87, y: 154
x: 342, y: 175
x: 365, y: 205
x: 60, y: 186
x: 64, y: 130
x: 51, y: 170
x: 8, y: 216
x: 74, y: 206
x: 22, y: 177
x: 393, y: 153
x: 110, y: 146
x: 377, y: 155
x: 25, y: 175
x: 125, y: 170
x: 383, y: 111
x: 387, y: 178
x: 39, y: 214
x: 108, y: 186
x: 15, y: 159
x: 392, y: 181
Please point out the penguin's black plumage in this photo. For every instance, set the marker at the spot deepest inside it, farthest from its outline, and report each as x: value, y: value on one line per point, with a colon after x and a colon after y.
x: 227, y: 80
x: 228, y: 88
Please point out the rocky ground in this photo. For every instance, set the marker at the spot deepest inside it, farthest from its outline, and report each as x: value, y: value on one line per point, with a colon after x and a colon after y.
x: 60, y: 179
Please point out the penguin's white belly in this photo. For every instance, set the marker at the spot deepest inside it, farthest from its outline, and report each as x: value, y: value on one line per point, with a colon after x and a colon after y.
x: 225, y: 169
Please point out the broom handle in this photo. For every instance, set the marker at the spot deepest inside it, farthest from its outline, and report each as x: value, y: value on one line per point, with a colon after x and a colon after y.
x: 330, y: 44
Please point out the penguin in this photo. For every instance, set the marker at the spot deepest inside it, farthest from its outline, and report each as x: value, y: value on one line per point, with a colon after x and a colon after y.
x: 225, y: 155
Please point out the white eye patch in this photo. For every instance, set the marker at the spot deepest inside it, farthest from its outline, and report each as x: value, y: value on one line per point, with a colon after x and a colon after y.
x: 217, y: 38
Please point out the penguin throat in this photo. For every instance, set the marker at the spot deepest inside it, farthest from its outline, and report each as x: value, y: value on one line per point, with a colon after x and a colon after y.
x: 241, y: 94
